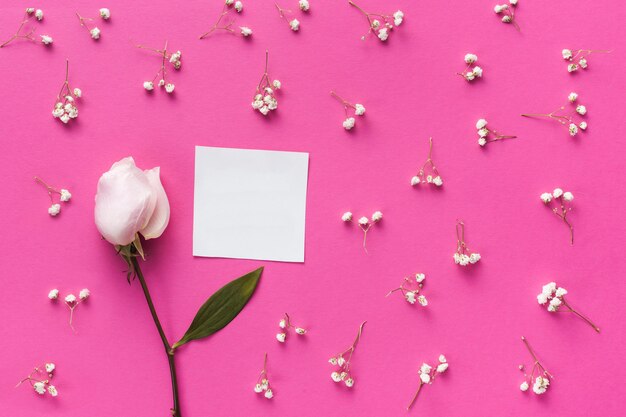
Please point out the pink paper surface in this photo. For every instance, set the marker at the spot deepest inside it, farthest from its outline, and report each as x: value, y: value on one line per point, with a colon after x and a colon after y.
x: 115, y: 365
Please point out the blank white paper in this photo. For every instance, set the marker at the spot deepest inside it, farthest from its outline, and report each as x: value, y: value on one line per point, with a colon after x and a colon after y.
x: 250, y: 204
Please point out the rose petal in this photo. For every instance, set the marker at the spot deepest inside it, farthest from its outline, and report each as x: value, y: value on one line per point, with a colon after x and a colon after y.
x: 161, y: 215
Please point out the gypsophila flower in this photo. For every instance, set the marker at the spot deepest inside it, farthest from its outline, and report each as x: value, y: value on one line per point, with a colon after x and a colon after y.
x: 539, y: 377
x: 40, y: 379
x: 554, y: 296
x: 560, y: 208
x: 105, y: 13
x: 427, y: 375
x: 84, y: 294
x: 471, y: 71
x: 286, y: 15
x: 85, y: 22
x: 71, y: 301
x: 285, y: 324
x: 487, y: 135
x: 53, y: 294
x: 304, y: 5
x: 226, y: 21
x: 410, y: 288
x: 174, y: 58
x: 343, y: 373
x: 509, y: 12
x: 64, y: 195
x: 567, y: 119
x: 65, y: 108
x: 54, y: 209
x: 95, y: 33
x: 428, y: 172
x: 265, y: 100
x: 463, y: 256
x: 294, y: 24
x: 348, y: 123
x: 350, y: 110
x: 380, y: 24
x: 578, y: 58
x: 29, y: 34
x: 364, y: 223
x: 263, y: 383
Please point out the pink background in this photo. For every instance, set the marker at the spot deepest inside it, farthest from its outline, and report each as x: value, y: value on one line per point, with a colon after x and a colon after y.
x: 115, y: 364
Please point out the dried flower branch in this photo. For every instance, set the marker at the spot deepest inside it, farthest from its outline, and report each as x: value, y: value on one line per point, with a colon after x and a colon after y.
x: 64, y: 196
x: 29, y: 15
x: 358, y: 110
x: 508, y: 12
x: 265, y: 98
x: 71, y: 301
x: 471, y: 71
x: 380, y: 24
x: 40, y: 378
x: 285, y: 325
x: 555, y: 298
x: 173, y: 58
x: 263, y: 382
x: 566, y: 119
x: 461, y: 256
x: 428, y: 172
x: 410, y: 289
x: 294, y: 24
x: 563, y: 201
x: 428, y: 374
x: 487, y: 135
x: 225, y: 23
x: 539, y: 377
x: 364, y: 223
x: 343, y: 372
x: 84, y: 22
x: 580, y: 55
x: 65, y: 107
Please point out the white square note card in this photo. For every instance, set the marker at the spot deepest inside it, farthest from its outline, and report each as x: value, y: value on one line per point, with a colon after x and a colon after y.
x: 250, y: 204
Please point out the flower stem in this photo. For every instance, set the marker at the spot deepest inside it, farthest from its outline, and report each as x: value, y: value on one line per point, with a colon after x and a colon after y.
x: 589, y: 322
x: 415, y: 396
x: 175, y: 410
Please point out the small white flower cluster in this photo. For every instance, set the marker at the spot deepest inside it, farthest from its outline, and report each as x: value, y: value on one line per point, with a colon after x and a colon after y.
x: 294, y: 24
x: 507, y: 12
x: 64, y: 197
x: 463, y: 255
x: 40, y: 379
x: 285, y: 325
x: 472, y: 71
x: 357, y: 109
x: 552, y: 295
x: 578, y: 58
x: 364, y: 223
x: 539, y: 377
x: 304, y: 5
x: 175, y: 59
x: 30, y: 13
x: 229, y: 6
x: 264, y: 100
x: 65, y: 108
x: 567, y: 119
x: 105, y: 14
x: 486, y: 135
x: 428, y: 373
x: 561, y: 208
x: 411, y: 288
x: 380, y: 24
x: 428, y: 172
x: 343, y: 372
x: 70, y: 300
x: 262, y: 385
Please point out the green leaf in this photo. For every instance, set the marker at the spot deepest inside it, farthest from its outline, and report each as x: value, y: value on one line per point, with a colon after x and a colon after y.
x: 222, y: 307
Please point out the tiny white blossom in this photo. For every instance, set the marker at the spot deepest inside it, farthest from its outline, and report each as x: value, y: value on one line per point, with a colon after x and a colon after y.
x: 363, y: 221
x: 524, y: 386
x: 245, y: 31
x: 513, y: 2
x: 549, y: 289
x: 277, y: 84
x: 442, y: 359
x: 46, y: 40
x: 347, y: 216
x: 542, y: 298
x: 442, y: 367
x: 349, y: 123
x: 425, y: 378
x: 304, y: 5
x: 469, y: 76
x: 282, y: 324
x: 53, y: 294
x: 229, y: 2
x: 281, y: 337
x: 335, y: 376
x: 572, y: 67
x: 359, y: 109
x: 573, y: 129
x: 567, y: 54
x: 70, y: 298
x: 420, y: 277
x: 65, y: 118
x: 55, y: 209
x: 482, y: 141
x: 258, y: 389
x: 383, y: 34
x: 264, y: 110
x: 557, y: 192
x: 560, y: 292
x: 582, y: 62
x: 415, y: 180
x: 580, y: 109
x: 483, y: 133
x: 50, y: 367
x: 497, y: 9
x: 477, y: 71
x: 398, y: 17
x: 39, y: 14
x: 546, y: 197
x: 474, y: 257
x: 294, y: 25
x: 95, y: 33
x: 65, y: 195
x: 148, y: 85
x: 169, y: 87
x: 568, y: 196
x: 572, y: 97
x: 410, y: 297
x: 269, y: 394
x: 422, y: 300
x: 238, y: 6
x: 300, y: 331
x: 78, y: 92
x: 52, y: 390
x: 583, y: 125
x: 84, y: 294
x: 332, y: 361
x: 349, y: 382
x: 105, y: 13
x: 30, y: 10
x: 506, y: 19
x: 438, y: 181
x: 40, y: 388
x: 470, y: 59
x: 377, y: 216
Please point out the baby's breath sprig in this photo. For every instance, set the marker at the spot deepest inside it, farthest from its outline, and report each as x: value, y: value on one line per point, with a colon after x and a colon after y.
x: 358, y: 110
x: 173, y: 58
x: 225, y: 23
x: 364, y: 223
x: 294, y: 24
x: 71, y: 301
x: 487, y: 135
x: 427, y: 374
x: 463, y: 255
x: 65, y: 107
x: 539, y: 376
x: 264, y: 99
x: 563, y: 202
x: 410, y: 288
x: 285, y: 324
x: 64, y: 196
x: 29, y: 35
x: 568, y: 118
x: 428, y: 172
x: 380, y: 24
x: 577, y: 58
x: 263, y: 382
x: 85, y: 22
x: 508, y: 12
x: 40, y: 379
x: 555, y: 298
x: 343, y: 371
x: 471, y: 71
